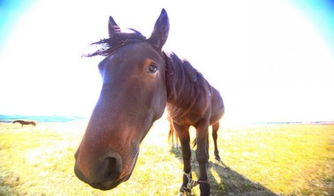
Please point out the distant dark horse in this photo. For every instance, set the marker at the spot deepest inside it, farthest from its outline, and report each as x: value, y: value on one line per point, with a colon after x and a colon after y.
x: 25, y: 122
x: 139, y: 80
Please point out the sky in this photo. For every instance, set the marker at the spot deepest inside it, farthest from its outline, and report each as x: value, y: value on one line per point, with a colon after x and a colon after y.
x: 271, y: 60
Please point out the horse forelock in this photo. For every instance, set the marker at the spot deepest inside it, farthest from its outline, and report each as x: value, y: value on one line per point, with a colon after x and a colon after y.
x: 120, y: 39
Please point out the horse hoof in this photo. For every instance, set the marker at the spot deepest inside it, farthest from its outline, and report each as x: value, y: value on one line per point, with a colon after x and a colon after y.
x: 205, y: 189
x: 185, y: 193
x: 217, y: 158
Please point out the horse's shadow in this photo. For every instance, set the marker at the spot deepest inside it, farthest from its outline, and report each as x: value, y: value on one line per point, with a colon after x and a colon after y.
x: 225, y: 181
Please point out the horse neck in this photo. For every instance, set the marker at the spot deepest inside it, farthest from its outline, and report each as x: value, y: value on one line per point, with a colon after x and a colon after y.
x: 184, y: 83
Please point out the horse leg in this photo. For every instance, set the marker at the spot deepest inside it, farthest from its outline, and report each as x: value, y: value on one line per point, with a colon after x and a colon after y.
x: 215, y: 128
x: 202, y: 156
x: 183, y: 134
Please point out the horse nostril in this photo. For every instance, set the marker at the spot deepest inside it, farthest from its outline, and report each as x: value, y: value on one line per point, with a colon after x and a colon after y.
x: 113, y: 167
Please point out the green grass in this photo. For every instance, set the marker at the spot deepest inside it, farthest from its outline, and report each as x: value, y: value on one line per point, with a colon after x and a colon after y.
x: 257, y: 160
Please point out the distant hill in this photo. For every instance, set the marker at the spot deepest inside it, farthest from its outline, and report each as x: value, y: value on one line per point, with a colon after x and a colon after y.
x: 51, y: 118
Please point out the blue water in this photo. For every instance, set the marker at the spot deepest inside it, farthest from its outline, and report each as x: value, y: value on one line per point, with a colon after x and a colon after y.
x: 51, y: 118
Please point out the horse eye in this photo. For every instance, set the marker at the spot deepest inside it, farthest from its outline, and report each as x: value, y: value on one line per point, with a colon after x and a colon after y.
x: 152, y: 69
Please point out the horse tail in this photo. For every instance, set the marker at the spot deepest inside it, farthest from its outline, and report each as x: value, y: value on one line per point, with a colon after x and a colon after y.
x: 172, y: 135
x: 194, y: 142
x: 171, y: 128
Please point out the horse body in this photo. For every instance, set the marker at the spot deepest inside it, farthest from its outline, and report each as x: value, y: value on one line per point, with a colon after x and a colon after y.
x: 139, y: 80
x: 192, y: 101
x: 25, y: 122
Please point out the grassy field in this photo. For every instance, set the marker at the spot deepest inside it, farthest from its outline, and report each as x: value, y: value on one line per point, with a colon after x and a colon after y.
x: 257, y: 160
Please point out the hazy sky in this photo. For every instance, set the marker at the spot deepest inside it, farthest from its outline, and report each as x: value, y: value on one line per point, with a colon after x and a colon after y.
x: 271, y: 60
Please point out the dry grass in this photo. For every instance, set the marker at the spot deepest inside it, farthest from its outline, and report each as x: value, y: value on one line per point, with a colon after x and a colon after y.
x: 260, y: 160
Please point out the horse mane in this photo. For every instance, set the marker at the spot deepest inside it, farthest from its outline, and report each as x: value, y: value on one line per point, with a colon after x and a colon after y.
x: 184, y: 83
x: 120, y: 39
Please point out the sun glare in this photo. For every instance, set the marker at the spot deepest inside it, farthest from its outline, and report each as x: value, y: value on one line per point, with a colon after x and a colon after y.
x: 268, y: 59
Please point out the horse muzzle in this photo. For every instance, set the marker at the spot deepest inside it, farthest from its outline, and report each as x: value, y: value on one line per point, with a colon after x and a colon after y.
x: 102, y: 175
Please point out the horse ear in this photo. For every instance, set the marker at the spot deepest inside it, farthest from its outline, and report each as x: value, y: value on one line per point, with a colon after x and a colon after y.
x: 160, y: 31
x: 113, y: 28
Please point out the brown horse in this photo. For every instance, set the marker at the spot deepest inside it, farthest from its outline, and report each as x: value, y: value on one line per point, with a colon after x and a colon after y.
x: 25, y: 122
x: 139, y: 80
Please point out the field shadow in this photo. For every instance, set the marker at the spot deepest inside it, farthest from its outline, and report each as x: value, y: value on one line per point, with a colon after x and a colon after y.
x: 8, y: 184
x: 225, y: 181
